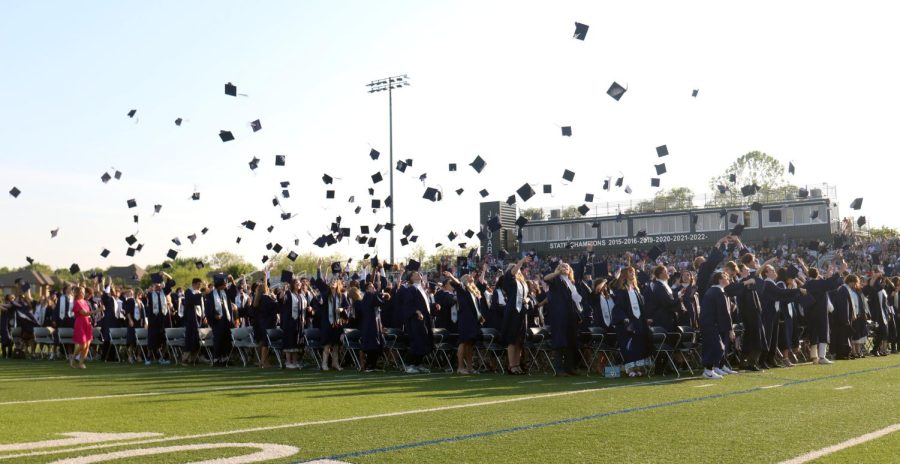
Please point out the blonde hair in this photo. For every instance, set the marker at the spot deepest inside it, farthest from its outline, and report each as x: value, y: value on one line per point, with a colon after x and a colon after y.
x: 623, y: 279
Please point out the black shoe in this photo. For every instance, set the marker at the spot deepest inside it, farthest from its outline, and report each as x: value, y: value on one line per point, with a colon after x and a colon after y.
x: 843, y: 358
x: 752, y: 368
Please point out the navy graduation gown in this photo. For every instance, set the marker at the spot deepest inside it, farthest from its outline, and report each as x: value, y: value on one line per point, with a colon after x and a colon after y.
x: 512, y: 329
x: 561, y: 314
x: 770, y: 295
x: 817, y: 321
x: 290, y: 325
x: 443, y: 318
x: 633, y: 337
x: 370, y: 327
x: 664, y: 306
x: 750, y: 307
x: 190, y: 320
x: 220, y: 324
x: 715, y: 326
x: 469, y: 308
x: 419, y: 332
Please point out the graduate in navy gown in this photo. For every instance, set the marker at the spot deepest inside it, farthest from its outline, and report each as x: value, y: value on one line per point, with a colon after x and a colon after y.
x: 265, y: 312
x: 294, y: 306
x: 512, y: 329
x: 818, y: 328
x: 370, y: 326
x: 771, y: 295
x: 158, y: 308
x: 690, y: 300
x: 109, y: 320
x: 632, y: 323
x: 754, y: 340
x: 470, y: 317
x: 134, y: 317
x: 716, y: 328
x: 414, y: 307
x: 878, y: 308
x: 847, y: 304
x: 332, y: 317
x: 192, y: 313
x: 220, y: 311
x: 446, y: 310
x: 564, y: 313
x: 789, y: 316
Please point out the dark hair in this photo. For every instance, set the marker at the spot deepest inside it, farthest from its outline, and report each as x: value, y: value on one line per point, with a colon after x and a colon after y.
x: 717, y: 276
x: 196, y: 280
x: 813, y: 273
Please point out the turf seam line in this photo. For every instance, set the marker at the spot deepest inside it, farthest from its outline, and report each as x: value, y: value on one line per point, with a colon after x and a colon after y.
x: 573, y: 420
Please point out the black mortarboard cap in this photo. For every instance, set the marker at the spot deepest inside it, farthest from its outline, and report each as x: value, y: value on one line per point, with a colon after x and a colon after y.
x: 733, y: 218
x: 74, y: 269
x: 471, y: 233
x: 452, y: 167
x: 722, y: 188
x: 156, y: 278
x: 336, y: 267
x: 372, y: 242
x: 803, y: 193
x: 374, y: 154
x: 756, y: 206
x: 628, y: 189
x: 588, y: 197
x: 791, y: 167
x: 526, y: 192
x: 249, y: 224
x: 568, y: 175
x: 130, y: 252
x: 567, y: 131
x: 660, y: 169
x: 521, y: 221
x: 277, y: 248
x: 167, y: 265
x: 857, y: 203
x: 135, y: 218
x: 793, y: 271
x: 172, y: 254
x: 407, y: 229
x: 231, y: 89
x: 583, y: 209
x: 376, y: 203
x: 132, y: 203
x: 54, y: 232
x: 494, y: 224
x: 661, y: 151
x: 132, y: 113
x: 287, y: 276
x: 616, y: 91
x: 452, y: 236
x: 737, y: 230
x: 478, y: 164
x: 254, y: 163
x: 15, y: 192
x: 401, y: 166
x: 459, y: 191
x: 409, y: 162
x: 774, y: 215
x: 748, y: 190
x: 606, y: 184
x: 293, y: 256
x: 376, y: 178
x: 620, y: 181
x: 178, y: 121
x: 732, y: 178
x: 404, y: 241
x: 654, y: 182
x: 814, y: 214
x: 723, y: 213
x: 226, y: 136
x: 481, y: 236
x: 695, y: 92
x: 140, y: 247
x: 388, y: 202
x: 580, y: 31
x: 329, y: 194
x: 861, y: 221
x: 131, y: 240
x: 192, y: 237
x: 104, y: 253
x: 413, y: 265
x: 270, y: 228
x: 195, y: 196
x: 432, y: 194
x: 320, y: 242
x: 285, y: 183
x: 157, y: 208
x: 279, y: 160
x: 654, y: 253
x: 548, y: 188
x: 176, y: 241
x: 105, y: 177
x: 483, y: 193
x: 256, y: 125
x: 364, y: 229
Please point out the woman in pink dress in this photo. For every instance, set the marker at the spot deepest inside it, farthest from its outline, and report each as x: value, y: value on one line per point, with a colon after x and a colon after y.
x: 84, y: 331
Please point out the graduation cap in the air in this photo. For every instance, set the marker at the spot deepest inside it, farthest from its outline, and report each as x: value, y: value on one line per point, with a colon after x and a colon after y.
x: 256, y: 125
x: 814, y: 214
x: 104, y: 253
x: 130, y: 252
x: 793, y: 271
x: 226, y: 136
x: 660, y: 169
x: 275, y: 201
x: 861, y: 221
x: 178, y: 121
x: 733, y: 218
x: 320, y: 242
x: 661, y: 151
x: 606, y: 184
x: 588, y: 197
x: 277, y: 248
x: 172, y: 254
x: 231, y: 89
x: 407, y: 229
x: 74, y: 269
x: 756, y: 206
x: 105, y: 177
x: 525, y: 192
x: 580, y: 31
x: 723, y: 188
x: 409, y: 162
x: 376, y: 178
x: 483, y: 193
x: 413, y: 265
x: 54, y: 232
x: 195, y: 196
x: 376, y: 203
x: 254, y: 163
x: 452, y: 167
x: 249, y: 224
x: 286, y: 193
x: 748, y: 190
x: 15, y: 192
x: 459, y: 191
x: 156, y: 278
x: 511, y: 200
x: 732, y: 178
x: 548, y: 188
x: 695, y: 92
x: 279, y: 160
x: 432, y: 194
x: 790, y: 167
x: 494, y: 224
x: 336, y: 267
x: 567, y: 131
x: 568, y: 175
x: 132, y: 113
x: 803, y: 193
x: 29, y: 259
x: 655, y: 252
x: 270, y: 229
x: 135, y: 218
x: 131, y: 203
x: 628, y: 189
x: 469, y: 233
x: 401, y: 166
x: 857, y: 203
x: 774, y: 215
x: 176, y: 241
x: 157, y: 208
x: 192, y: 238
x: 654, y: 182
x: 293, y: 256
x: 620, y: 181
x: 641, y: 233
x: 374, y: 154
x: 404, y: 241
x: 478, y: 165
x: 616, y: 91
x: 521, y: 221
x: 737, y: 230
x: 131, y: 240
x: 329, y: 194
x: 583, y: 209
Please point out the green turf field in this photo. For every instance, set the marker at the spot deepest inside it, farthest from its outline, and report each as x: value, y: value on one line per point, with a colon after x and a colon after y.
x: 440, y: 418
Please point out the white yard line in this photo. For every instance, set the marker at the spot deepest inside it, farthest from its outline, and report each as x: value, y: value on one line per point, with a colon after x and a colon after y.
x: 844, y: 388
x: 345, y: 419
x: 531, y: 381
x: 266, y: 452
x: 771, y: 386
x: 703, y: 386
x: 813, y: 455
x: 585, y: 383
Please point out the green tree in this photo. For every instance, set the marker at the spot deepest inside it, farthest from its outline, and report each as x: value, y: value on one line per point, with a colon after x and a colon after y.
x: 754, y: 168
x: 532, y: 212
x: 884, y: 232
x: 570, y: 212
x: 665, y: 200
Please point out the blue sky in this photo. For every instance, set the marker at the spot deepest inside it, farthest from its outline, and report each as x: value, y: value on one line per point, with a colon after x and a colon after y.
x: 808, y: 82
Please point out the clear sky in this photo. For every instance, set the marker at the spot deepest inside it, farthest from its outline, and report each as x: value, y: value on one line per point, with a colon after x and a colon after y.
x: 811, y: 82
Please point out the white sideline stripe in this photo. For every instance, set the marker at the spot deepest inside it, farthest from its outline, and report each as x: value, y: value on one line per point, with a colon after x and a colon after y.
x: 771, y: 386
x: 75, y: 438
x: 531, y: 381
x: 345, y: 419
x: 585, y: 383
x: 703, y: 386
x: 844, y: 388
x: 267, y: 451
x: 844, y: 445
x: 182, y: 392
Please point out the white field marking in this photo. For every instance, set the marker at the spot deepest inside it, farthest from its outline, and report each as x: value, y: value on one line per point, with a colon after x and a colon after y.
x: 585, y: 383
x: 182, y: 392
x: 771, y: 386
x: 346, y: 419
x: 844, y: 445
x: 844, y: 388
x: 531, y: 381
x: 703, y: 386
x: 266, y: 452
x: 76, y: 438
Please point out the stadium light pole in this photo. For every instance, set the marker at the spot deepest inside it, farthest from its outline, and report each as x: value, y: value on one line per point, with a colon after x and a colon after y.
x: 389, y: 84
